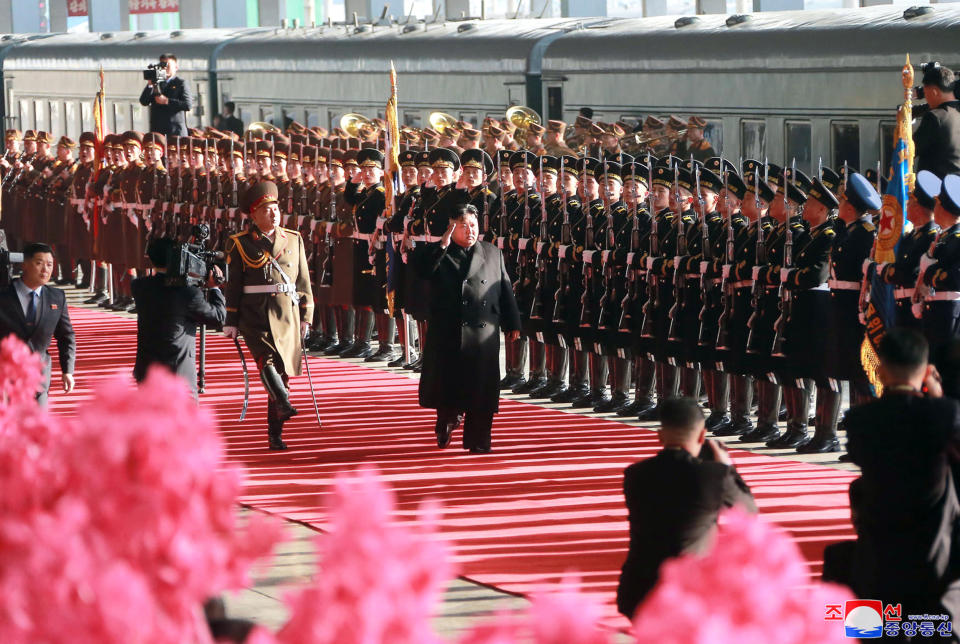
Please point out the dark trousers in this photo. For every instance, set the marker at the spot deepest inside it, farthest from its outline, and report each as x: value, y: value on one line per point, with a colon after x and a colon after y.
x: 476, y: 425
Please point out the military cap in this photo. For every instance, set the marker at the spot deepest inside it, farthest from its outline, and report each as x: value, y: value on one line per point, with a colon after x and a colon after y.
x: 635, y: 171
x: 155, y: 140
x: 671, y: 161
x: 350, y: 157
x: 795, y: 194
x: 595, y: 129
x: 494, y: 131
x: 408, y: 158
x: 464, y: 125
x: 471, y: 134
x: 423, y: 158
x: 582, y: 122
x: 88, y: 139
x: 264, y: 148
x: 198, y: 144
x: 685, y: 179
x: 650, y: 160
x: 444, y: 158
x: 696, y: 121
x: 590, y: 167
x: 44, y: 137
x: 249, y: 147
x: 30, y: 135
x: 861, y: 194
x: 736, y: 186
x: 259, y: 194
x: 536, y: 128
x: 950, y: 194
x: 676, y: 122
x: 619, y: 157
x: 183, y: 143
x: 336, y: 157
x: 131, y: 137
x: 339, y: 133
x: 719, y: 165
x: 112, y: 141
x: 195, y: 132
x: 296, y: 127
x: 299, y: 138
x: 765, y: 192
x: 610, y: 170
x: 476, y: 158
x: 830, y: 179
x: 570, y: 164
x: 523, y: 157
x: 800, y: 180
x: 370, y: 158
x: 612, y: 129
x: 281, y: 147
x: 690, y: 164
x: 710, y: 181
x: 652, y: 122
x: 663, y: 176
x: 556, y: 126
x: 820, y: 192
x: 308, y: 155
x: 625, y: 127
x: 774, y: 174
x: 871, y: 176
x: 752, y: 167
x: 12, y: 134
x: 431, y: 135
x: 926, y: 188
x: 66, y: 142
x: 550, y: 164
x: 503, y: 157
x: 320, y: 132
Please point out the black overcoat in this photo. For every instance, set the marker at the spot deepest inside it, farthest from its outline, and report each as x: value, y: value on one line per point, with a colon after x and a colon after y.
x: 461, y: 365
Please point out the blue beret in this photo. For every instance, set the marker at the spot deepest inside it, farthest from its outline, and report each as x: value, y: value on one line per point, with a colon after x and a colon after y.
x: 950, y: 194
x: 926, y: 188
x: 861, y: 194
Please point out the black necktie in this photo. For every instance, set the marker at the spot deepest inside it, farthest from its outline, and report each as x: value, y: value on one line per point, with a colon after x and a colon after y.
x: 32, y: 309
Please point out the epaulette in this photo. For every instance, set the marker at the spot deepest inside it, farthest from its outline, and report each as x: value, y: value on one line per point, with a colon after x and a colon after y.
x: 869, y: 227
x: 380, y: 189
x: 289, y: 230
x: 830, y: 232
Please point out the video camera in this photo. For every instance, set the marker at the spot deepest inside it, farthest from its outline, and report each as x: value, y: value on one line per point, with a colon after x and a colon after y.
x: 7, y: 260
x: 156, y: 72
x: 192, y: 264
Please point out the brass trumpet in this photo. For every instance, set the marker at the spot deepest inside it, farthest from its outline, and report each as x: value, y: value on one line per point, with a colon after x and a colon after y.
x: 356, y: 125
x: 441, y: 121
x: 522, y: 117
x: 258, y: 129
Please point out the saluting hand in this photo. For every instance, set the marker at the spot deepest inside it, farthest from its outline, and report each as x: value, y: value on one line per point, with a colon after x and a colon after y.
x: 445, y: 240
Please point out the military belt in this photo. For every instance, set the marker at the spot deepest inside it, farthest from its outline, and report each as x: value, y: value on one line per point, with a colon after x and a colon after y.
x: 903, y: 293
x: 825, y: 286
x: 944, y: 296
x: 843, y: 285
x: 270, y: 288
x: 743, y: 284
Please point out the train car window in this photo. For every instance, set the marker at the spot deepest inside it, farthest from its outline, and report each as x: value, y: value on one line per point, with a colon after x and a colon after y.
x: 412, y: 119
x: 266, y: 114
x: 714, y: 134
x: 797, y: 135
x: 141, y: 118
x: 122, y: 117
x: 845, y: 143
x: 888, y: 130
x: 555, y: 103
x: 40, y: 121
x: 86, y: 117
x: 73, y: 124
x: 313, y: 118
x: 753, y: 139
x: 469, y: 117
x: 56, y: 122
x: 26, y: 116
x: 289, y: 116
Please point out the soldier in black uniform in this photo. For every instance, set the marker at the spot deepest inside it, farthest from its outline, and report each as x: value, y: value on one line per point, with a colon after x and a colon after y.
x: 398, y: 225
x: 939, y: 282
x: 902, y: 273
x: 683, y: 324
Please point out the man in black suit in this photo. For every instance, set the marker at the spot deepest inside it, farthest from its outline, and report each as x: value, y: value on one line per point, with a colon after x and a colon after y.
x: 229, y: 121
x: 167, y: 319
x: 904, y: 505
x: 673, y: 498
x: 168, y: 100
x: 937, y: 138
x: 35, y: 313
x: 471, y: 299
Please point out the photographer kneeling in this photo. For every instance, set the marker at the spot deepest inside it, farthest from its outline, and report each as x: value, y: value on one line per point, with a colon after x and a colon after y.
x: 168, y: 315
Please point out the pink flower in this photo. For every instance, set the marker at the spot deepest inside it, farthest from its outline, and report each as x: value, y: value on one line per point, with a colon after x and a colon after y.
x: 380, y: 580
x: 751, y: 587
x: 21, y: 372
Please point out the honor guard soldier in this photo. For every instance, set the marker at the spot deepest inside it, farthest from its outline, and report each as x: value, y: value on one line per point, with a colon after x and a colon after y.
x: 78, y: 223
x: 368, y: 293
x: 852, y: 246
x: 61, y: 176
x: 400, y: 273
x: 902, y: 273
x: 340, y: 228
x: 152, y: 190
x: 553, y: 143
x: 938, y: 286
x: 269, y: 300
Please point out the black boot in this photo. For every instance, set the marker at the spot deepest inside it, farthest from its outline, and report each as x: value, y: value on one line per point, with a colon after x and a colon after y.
x: 277, y: 390
x: 825, y: 435
x: 274, y: 429
x: 768, y: 406
x: 797, y: 401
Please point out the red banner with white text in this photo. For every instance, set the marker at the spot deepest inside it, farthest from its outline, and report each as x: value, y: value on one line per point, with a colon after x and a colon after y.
x: 79, y: 7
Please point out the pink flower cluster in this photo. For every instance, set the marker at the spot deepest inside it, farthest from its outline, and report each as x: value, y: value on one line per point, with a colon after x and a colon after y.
x: 751, y: 587
x: 116, y: 525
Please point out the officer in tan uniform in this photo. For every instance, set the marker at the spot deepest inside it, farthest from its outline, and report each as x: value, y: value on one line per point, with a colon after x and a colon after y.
x: 269, y: 300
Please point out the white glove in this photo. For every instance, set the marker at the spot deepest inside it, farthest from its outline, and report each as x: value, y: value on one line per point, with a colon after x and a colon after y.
x: 755, y: 273
x: 880, y: 267
x: 231, y: 332
x: 866, y: 266
x: 650, y: 263
x: 925, y: 262
x: 784, y: 275
x: 917, y: 309
x: 304, y: 327
x: 725, y: 271
x: 676, y: 261
x: 703, y: 267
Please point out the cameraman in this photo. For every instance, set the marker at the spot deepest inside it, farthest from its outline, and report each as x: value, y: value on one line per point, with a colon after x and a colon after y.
x: 168, y: 100
x: 937, y: 138
x: 167, y: 318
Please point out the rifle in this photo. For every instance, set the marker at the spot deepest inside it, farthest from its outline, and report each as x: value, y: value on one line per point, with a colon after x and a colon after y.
x: 536, y: 310
x: 706, y: 255
x: 760, y: 259
x: 588, y: 242
x: 609, y: 243
x: 522, y: 258
x: 326, y: 271
x: 726, y: 286
x: 679, y: 277
x: 786, y: 299
x: 485, y: 215
x: 503, y: 203
x: 560, y: 296
x: 649, y: 307
x: 631, y: 295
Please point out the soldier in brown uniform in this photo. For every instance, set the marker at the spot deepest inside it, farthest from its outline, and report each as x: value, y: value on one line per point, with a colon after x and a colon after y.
x: 28, y: 203
x: 553, y: 143
x: 57, y: 185
x: 151, y: 193
x: 126, y: 215
x: 269, y: 300
x: 77, y: 225
x: 11, y: 152
x: 96, y: 214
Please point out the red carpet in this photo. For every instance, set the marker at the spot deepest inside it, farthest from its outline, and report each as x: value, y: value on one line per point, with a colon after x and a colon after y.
x: 547, y: 501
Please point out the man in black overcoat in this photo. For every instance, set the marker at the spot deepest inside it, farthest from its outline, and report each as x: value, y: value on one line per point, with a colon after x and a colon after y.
x: 167, y: 319
x: 471, y: 299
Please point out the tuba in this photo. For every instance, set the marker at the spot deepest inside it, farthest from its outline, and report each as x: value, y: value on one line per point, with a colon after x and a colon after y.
x: 522, y: 118
x: 356, y: 125
x: 258, y: 129
x: 441, y: 121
